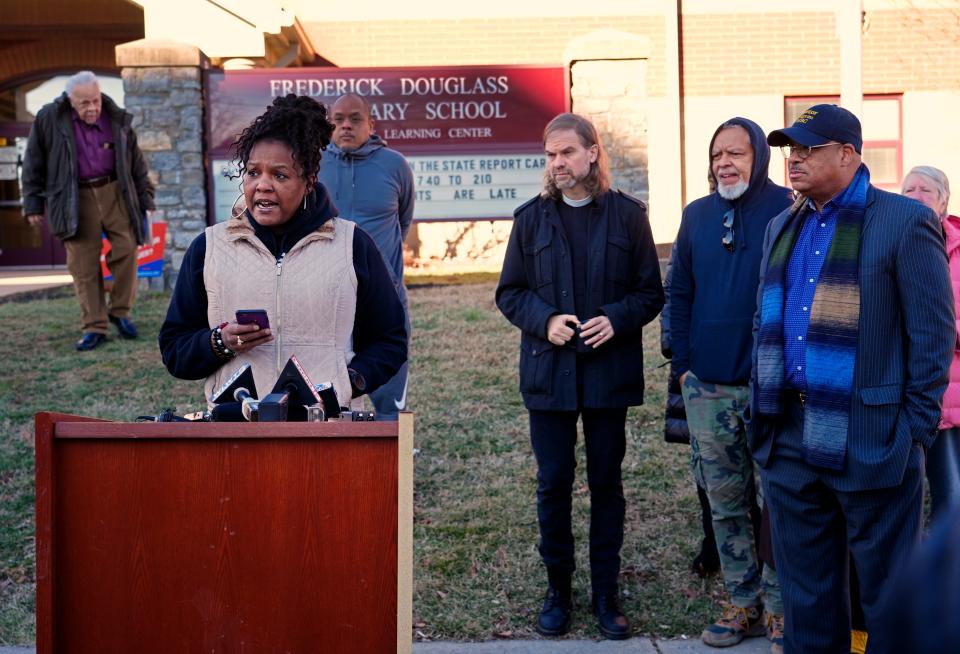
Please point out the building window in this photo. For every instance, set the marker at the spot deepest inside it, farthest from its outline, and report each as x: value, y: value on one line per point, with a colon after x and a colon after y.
x: 882, y: 133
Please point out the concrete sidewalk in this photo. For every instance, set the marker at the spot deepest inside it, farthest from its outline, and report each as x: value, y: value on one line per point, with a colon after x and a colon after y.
x: 633, y: 646
x: 639, y: 645
x: 13, y: 282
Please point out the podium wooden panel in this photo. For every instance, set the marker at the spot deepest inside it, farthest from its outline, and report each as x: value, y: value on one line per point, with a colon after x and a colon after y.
x: 222, y: 538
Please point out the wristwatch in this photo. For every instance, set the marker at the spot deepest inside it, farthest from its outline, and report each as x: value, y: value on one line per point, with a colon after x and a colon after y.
x: 358, y: 382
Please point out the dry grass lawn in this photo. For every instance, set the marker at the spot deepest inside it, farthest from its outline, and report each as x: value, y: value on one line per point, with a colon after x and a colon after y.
x: 477, y: 573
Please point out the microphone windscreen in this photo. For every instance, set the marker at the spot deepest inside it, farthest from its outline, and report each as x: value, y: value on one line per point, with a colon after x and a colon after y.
x: 227, y: 412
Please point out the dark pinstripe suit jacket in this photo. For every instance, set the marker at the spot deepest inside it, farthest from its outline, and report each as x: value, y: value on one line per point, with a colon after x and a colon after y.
x: 906, y: 340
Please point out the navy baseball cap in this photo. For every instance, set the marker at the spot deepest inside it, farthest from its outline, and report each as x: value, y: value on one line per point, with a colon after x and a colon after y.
x: 818, y: 125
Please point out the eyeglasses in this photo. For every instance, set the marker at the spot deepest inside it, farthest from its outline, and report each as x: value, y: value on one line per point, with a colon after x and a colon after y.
x: 802, y: 151
x: 727, y: 239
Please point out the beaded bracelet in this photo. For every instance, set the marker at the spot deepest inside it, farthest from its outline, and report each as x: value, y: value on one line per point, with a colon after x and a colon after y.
x: 219, y: 347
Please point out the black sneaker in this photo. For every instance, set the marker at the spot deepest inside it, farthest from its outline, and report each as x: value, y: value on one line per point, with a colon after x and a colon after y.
x: 554, y: 619
x: 612, y: 622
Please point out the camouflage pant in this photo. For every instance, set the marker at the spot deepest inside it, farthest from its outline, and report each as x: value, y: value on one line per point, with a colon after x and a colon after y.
x: 727, y: 471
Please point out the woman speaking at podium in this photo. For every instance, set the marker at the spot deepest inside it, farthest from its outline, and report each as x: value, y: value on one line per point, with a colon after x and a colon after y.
x: 322, y: 286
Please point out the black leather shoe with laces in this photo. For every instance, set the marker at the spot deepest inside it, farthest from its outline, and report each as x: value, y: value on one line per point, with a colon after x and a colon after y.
x: 554, y: 619
x: 610, y: 619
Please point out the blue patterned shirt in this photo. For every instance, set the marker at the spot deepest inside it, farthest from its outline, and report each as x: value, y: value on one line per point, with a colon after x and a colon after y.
x: 803, y: 274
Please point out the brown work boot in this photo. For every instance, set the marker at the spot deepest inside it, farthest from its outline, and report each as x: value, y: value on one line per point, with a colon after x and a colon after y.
x: 774, y: 624
x: 733, y: 626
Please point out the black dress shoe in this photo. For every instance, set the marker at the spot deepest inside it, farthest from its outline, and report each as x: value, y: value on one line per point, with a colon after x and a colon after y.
x: 554, y: 619
x: 125, y: 326
x: 89, y: 341
x: 610, y: 619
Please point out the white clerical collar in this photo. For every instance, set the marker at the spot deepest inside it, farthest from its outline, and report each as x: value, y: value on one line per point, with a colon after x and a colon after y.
x: 577, y: 203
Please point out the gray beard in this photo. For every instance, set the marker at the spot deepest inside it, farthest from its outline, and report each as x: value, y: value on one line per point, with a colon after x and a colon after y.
x: 572, y: 180
x: 732, y: 192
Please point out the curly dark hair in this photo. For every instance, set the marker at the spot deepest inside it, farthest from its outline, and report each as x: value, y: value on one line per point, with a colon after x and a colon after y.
x: 296, y: 120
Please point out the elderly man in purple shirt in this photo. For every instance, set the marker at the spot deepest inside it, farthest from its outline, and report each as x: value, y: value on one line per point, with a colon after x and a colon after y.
x: 82, y: 166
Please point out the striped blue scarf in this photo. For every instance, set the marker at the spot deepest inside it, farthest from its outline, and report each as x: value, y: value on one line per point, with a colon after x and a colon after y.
x: 832, y: 334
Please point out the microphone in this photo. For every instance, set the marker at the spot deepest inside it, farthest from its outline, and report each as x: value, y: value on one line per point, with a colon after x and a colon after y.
x: 290, y: 396
x: 228, y: 412
x: 239, y: 390
x: 328, y: 400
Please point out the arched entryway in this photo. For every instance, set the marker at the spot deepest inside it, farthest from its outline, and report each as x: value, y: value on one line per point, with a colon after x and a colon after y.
x: 41, y: 44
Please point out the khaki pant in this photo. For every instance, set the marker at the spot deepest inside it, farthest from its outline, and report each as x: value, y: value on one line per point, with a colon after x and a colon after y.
x: 102, y: 210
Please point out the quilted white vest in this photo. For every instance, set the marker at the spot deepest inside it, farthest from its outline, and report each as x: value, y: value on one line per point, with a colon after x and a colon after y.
x: 310, y: 297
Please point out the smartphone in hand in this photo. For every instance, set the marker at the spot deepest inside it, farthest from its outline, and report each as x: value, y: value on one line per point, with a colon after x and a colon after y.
x: 256, y: 317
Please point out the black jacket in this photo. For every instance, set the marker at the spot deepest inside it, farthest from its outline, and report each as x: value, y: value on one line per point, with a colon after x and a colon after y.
x: 379, y: 331
x: 623, y: 283
x: 675, y: 427
x: 50, y: 168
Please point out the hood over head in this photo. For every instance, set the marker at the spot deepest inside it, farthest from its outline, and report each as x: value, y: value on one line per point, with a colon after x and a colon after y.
x: 761, y: 155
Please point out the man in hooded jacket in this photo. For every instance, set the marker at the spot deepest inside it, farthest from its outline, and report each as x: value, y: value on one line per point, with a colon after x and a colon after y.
x: 713, y: 298
x: 372, y: 185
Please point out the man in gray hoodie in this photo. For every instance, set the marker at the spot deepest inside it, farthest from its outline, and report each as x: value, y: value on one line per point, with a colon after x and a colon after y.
x: 372, y: 185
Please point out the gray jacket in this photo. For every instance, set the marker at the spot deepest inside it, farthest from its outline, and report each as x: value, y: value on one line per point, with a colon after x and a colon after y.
x: 373, y: 187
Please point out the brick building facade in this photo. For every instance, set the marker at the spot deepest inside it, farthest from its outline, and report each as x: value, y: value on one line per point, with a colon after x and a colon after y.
x: 657, y: 77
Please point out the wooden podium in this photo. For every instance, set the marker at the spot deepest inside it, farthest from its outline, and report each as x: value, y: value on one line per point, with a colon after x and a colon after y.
x: 223, y: 537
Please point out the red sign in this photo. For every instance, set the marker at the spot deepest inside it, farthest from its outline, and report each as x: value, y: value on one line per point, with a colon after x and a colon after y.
x: 149, y: 255
x: 417, y: 110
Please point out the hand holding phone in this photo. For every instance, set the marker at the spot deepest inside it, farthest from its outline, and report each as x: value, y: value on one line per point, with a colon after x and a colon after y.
x: 251, y: 329
x: 256, y: 317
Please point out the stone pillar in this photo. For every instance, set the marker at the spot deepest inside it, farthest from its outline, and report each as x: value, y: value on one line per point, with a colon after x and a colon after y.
x: 608, y: 74
x: 612, y: 95
x: 162, y: 83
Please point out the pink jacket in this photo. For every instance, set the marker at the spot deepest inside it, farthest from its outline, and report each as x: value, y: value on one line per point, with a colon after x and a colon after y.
x: 951, y: 399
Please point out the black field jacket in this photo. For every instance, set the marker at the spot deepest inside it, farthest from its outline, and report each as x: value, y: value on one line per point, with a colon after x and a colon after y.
x: 623, y: 283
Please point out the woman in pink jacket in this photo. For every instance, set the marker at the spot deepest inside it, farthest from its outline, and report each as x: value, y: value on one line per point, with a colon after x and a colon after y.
x: 930, y: 186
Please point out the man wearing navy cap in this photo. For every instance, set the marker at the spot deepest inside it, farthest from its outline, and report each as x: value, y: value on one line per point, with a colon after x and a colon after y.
x: 853, y: 337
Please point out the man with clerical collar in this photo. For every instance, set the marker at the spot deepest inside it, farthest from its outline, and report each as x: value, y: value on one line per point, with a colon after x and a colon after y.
x: 82, y: 166
x: 580, y: 279
x: 853, y: 339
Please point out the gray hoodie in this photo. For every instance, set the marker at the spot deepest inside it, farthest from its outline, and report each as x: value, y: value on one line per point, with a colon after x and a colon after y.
x: 373, y: 187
